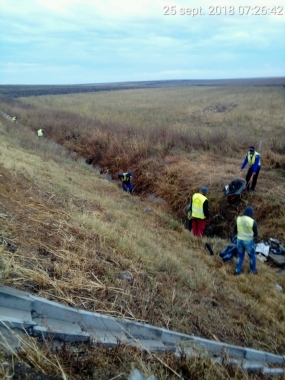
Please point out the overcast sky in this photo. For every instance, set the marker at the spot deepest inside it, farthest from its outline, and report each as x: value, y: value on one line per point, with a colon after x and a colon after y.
x: 97, y: 41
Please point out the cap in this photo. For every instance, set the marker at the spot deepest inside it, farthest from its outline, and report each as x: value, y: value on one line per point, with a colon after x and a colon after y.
x: 204, y: 190
x: 252, y: 148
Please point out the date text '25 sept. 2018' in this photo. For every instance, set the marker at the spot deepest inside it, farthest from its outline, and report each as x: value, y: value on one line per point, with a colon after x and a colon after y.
x: 276, y: 10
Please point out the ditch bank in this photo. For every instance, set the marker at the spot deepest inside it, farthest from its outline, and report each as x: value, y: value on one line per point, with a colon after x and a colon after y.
x: 171, y: 177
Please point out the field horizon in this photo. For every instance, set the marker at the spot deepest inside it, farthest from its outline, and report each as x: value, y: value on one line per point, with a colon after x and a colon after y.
x: 19, y: 90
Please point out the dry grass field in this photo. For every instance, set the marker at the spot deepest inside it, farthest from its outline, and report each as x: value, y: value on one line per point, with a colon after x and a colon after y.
x: 71, y: 233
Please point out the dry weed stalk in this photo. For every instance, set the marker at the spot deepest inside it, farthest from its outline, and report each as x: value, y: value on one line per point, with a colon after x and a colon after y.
x: 29, y: 352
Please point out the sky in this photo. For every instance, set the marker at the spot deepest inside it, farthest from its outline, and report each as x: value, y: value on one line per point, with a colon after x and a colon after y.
x: 103, y: 41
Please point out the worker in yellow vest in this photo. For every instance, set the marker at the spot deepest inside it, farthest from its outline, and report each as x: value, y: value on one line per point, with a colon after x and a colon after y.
x: 252, y: 158
x: 126, y: 179
x: 40, y: 133
x: 246, y: 230
x: 199, y: 212
x: 14, y: 119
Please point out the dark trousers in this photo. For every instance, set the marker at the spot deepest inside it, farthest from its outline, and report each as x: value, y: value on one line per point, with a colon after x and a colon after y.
x: 189, y: 224
x: 254, y: 180
x: 127, y: 187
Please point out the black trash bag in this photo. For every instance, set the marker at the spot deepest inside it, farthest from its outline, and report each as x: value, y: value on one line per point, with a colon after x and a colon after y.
x: 234, y: 189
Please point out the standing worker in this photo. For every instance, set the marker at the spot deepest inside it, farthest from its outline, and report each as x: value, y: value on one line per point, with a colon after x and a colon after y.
x: 126, y: 181
x: 40, y: 133
x: 246, y: 230
x: 199, y: 211
x: 253, y: 159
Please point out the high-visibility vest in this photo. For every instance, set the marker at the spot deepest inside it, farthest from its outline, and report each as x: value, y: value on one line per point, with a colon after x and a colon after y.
x: 251, y: 158
x: 40, y: 132
x: 245, y: 228
x: 197, y: 206
x: 125, y: 179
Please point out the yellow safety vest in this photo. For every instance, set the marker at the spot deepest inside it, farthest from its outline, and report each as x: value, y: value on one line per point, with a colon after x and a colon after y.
x: 245, y: 228
x: 197, y: 206
x: 251, y: 158
x: 40, y: 132
x: 125, y: 179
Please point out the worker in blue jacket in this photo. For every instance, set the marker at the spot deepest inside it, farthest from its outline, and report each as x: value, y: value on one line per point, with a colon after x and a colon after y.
x: 253, y: 159
x: 126, y: 181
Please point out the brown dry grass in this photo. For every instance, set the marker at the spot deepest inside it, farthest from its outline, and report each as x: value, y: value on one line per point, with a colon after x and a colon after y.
x: 173, y: 140
x: 75, y: 233
x: 53, y: 361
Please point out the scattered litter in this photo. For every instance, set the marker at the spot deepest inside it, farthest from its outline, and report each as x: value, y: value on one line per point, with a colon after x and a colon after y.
x: 276, y: 252
x: 262, y: 248
x: 208, y: 248
x: 265, y: 250
x: 279, y: 271
x: 136, y: 375
x: 127, y: 277
x: 275, y: 247
x: 230, y: 251
x: 3, y: 215
x: 278, y: 287
x: 147, y: 209
x: 260, y: 257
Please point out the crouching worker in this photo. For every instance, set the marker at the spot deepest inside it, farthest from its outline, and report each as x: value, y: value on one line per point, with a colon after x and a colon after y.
x: 199, y: 212
x: 246, y: 230
x: 126, y: 182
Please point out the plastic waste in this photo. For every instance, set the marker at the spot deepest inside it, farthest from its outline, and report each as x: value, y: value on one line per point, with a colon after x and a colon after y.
x: 278, y: 287
x: 209, y: 249
x: 125, y: 276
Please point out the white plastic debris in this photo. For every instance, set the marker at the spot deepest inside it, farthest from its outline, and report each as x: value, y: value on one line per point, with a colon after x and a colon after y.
x: 279, y: 287
x: 262, y: 248
x: 136, y: 375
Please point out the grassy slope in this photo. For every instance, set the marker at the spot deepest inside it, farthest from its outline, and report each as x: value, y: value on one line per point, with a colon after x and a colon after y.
x: 75, y: 233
